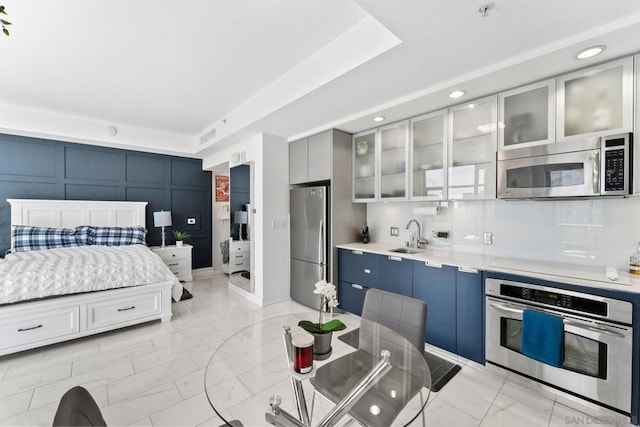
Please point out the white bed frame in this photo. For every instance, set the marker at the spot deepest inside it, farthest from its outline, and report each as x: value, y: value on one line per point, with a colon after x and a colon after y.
x: 37, y: 323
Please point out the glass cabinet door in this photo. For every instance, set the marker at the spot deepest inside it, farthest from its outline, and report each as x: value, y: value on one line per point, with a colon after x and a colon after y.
x: 427, y: 157
x: 394, y: 140
x: 472, y: 150
x: 364, y: 166
x: 597, y: 101
x: 527, y: 115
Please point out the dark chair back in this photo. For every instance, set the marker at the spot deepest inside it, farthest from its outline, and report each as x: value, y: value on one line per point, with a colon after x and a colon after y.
x: 77, y: 408
x: 403, y: 315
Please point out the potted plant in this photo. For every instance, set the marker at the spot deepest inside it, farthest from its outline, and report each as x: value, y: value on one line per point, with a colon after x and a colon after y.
x: 321, y: 331
x: 180, y: 236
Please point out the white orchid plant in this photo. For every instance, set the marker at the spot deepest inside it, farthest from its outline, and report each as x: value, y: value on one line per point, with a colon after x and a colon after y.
x: 328, y: 301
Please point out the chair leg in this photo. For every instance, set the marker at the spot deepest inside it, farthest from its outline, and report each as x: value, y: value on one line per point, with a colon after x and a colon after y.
x: 313, y: 402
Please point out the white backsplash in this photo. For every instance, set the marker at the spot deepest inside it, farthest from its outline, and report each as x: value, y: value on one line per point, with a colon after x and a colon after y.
x: 595, y: 232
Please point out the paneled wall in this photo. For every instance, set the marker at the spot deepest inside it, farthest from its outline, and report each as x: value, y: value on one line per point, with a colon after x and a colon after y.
x: 33, y: 168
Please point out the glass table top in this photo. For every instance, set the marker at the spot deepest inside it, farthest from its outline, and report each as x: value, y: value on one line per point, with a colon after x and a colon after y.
x: 251, y: 368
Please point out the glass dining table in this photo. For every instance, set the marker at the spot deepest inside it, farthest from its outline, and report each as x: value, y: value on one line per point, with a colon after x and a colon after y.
x: 374, y: 376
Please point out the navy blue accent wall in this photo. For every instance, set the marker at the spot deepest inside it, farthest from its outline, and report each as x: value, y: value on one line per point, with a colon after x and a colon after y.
x: 239, y: 195
x: 32, y: 168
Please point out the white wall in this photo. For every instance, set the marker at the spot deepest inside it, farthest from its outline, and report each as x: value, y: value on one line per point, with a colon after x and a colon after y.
x: 269, y: 158
x: 596, y: 232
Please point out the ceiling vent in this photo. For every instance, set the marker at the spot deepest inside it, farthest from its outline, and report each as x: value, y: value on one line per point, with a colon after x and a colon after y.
x: 208, y: 136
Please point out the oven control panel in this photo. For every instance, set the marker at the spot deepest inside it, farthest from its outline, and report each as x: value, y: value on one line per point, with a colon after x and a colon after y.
x: 554, y: 299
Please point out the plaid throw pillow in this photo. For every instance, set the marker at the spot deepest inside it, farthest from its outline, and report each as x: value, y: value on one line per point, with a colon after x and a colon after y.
x: 118, y: 236
x: 27, y: 238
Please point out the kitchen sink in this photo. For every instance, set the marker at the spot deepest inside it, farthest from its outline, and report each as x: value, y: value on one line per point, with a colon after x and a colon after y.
x: 407, y: 250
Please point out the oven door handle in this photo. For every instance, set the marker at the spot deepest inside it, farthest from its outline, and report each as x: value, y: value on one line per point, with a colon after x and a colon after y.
x: 567, y: 321
x: 505, y: 308
x: 601, y: 329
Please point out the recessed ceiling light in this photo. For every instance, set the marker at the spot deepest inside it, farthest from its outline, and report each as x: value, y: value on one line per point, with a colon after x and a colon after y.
x: 457, y: 94
x: 378, y: 118
x: 590, y: 52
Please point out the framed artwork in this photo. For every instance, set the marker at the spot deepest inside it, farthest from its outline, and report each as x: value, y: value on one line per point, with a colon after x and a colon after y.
x: 222, y: 188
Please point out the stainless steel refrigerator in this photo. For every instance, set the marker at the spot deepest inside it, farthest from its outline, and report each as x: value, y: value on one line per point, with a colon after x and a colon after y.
x: 309, y: 252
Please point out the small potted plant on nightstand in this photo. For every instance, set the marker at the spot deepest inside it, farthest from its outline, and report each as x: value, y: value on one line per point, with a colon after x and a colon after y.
x: 180, y: 236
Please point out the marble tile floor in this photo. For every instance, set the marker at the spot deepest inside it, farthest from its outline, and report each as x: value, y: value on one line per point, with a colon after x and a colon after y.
x: 153, y: 375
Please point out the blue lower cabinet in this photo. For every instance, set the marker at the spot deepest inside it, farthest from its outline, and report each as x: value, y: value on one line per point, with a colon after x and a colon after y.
x: 435, y: 284
x: 395, y: 275
x: 470, y: 314
x: 351, y: 297
x: 357, y: 267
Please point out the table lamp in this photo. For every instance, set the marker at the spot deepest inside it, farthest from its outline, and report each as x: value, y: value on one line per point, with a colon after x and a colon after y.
x: 240, y: 217
x: 162, y: 219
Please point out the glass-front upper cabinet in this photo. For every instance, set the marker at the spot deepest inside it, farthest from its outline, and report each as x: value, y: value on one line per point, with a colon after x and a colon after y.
x: 364, y: 166
x: 394, y: 153
x: 526, y: 115
x: 636, y: 152
x: 596, y: 101
x: 428, y: 180
x: 473, y: 139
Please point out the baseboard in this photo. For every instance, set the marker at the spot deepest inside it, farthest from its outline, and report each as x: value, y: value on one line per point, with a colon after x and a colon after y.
x: 256, y: 299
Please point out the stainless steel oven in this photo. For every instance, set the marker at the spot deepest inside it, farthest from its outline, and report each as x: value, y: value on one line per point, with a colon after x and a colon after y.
x: 589, y: 168
x: 597, y: 343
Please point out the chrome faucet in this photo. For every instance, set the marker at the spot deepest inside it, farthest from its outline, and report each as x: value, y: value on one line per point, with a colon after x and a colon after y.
x: 419, y: 242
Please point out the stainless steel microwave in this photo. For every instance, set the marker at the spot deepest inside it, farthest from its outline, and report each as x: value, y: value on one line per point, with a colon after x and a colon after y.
x: 586, y: 168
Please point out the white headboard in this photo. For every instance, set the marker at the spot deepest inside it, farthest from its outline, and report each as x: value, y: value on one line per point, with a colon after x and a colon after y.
x: 72, y: 213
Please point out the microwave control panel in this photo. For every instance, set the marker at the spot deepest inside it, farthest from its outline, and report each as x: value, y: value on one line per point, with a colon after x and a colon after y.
x: 616, y: 165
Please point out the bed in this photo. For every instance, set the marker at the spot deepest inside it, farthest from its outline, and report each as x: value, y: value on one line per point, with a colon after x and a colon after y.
x: 53, y: 295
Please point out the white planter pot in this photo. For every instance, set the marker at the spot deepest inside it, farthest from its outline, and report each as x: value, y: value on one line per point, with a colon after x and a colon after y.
x: 179, y: 243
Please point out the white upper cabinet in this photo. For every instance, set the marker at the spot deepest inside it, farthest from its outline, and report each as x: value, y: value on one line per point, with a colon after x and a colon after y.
x: 427, y: 179
x: 365, y: 166
x: 597, y: 101
x: 394, y: 157
x: 473, y: 139
x: 527, y: 115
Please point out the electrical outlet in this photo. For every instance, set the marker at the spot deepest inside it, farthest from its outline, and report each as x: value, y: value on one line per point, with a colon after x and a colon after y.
x: 488, y: 238
x: 395, y: 231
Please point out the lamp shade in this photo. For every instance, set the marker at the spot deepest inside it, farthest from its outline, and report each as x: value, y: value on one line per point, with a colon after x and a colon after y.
x: 240, y: 217
x: 162, y: 219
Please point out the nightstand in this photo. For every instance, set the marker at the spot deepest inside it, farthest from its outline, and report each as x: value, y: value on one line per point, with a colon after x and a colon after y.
x: 178, y: 259
x: 239, y: 258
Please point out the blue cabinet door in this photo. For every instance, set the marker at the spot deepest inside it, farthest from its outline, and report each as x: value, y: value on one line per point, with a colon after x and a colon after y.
x: 358, y: 267
x: 395, y: 275
x: 470, y: 314
x: 435, y: 284
x: 351, y: 297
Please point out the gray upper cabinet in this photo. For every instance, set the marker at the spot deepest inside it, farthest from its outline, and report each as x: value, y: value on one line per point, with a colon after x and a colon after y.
x: 597, y: 101
x: 527, y: 115
x: 428, y: 180
x: 310, y: 159
x: 319, y: 159
x: 365, y: 165
x: 472, y: 137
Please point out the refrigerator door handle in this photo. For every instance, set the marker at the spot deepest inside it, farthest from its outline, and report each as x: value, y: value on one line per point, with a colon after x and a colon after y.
x: 321, y: 248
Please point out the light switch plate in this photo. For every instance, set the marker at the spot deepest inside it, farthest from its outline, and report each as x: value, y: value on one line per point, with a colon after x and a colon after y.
x: 488, y: 238
x: 395, y: 231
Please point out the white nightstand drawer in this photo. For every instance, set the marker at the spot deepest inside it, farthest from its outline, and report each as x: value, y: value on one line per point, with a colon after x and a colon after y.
x: 40, y: 327
x: 170, y: 255
x: 178, y: 263
x: 122, y: 310
x: 239, y: 247
x: 240, y: 264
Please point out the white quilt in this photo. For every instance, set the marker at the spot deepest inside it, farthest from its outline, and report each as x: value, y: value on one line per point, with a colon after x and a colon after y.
x: 38, y: 274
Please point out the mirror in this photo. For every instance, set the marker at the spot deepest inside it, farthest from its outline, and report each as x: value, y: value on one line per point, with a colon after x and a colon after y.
x: 240, y: 230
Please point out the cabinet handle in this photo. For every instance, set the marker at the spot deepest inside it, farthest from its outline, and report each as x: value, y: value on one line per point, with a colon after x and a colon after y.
x: 127, y: 309
x: 468, y: 270
x: 174, y: 264
x: 238, y: 263
x: 29, y: 329
x: 174, y: 255
x: 366, y: 270
x: 353, y: 285
x: 356, y: 252
x: 433, y: 264
x: 395, y: 258
x: 239, y: 256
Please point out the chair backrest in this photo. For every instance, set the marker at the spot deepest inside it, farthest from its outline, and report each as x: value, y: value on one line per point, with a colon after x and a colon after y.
x: 404, y: 315
x: 77, y: 408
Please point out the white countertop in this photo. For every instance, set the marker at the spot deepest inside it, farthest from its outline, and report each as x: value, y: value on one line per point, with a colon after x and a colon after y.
x: 563, y: 273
